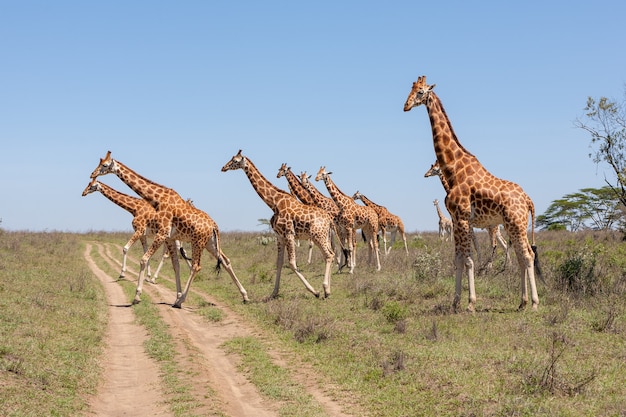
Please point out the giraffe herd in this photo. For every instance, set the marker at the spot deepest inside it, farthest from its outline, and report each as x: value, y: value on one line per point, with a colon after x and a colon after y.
x: 474, y: 198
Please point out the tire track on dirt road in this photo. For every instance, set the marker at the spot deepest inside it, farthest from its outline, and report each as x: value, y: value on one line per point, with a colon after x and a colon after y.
x: 130, y: 380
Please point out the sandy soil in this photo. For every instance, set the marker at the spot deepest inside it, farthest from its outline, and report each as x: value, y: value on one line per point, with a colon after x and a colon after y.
x: 131, y: 384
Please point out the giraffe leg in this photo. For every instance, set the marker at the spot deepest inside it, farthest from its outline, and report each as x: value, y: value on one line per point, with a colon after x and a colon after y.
x: 374, y: 249
x: 310, y: 252
x: 222, y: 259
x: 525, y: 258
x: 325, y: 245
x: 463, y: 260
x: 384, y: 233
x: 138, y: 234
x: 279, y: 266
x: 161, y: 262
x: 158, y: 241
x: 171, y: 248
x: 291, y: 253
x: 231, y: 272
x: 350, y: 250
x: 406, y: 247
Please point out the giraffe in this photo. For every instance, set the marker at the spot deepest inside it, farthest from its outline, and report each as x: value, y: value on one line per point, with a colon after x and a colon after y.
x: 329, y: 205
x: 493, y: 230
x: 297, y: 190
x: 176, y: 219
x: 353, y: 216
x: 143, y: 222
x: 291, y: 220
x: 387, y: 222
x: 445, y: 224
x: 477, y: 198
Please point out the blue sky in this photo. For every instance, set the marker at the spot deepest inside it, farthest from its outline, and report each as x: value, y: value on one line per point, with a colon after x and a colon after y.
x: 175, y: 89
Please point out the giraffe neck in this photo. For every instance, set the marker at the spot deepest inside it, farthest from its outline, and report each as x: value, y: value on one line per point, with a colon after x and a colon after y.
x: 444, y: 182
x: 298, y: 189
x: 439, y: 212
x: 128, y: 203
x: 340, y: 198
x: 152, y: 192
x: 315, y: 193
x: 268, y: 192
x: 451, y: 155
x: 369, y: 202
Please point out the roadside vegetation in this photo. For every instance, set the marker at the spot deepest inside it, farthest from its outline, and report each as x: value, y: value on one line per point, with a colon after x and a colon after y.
x: 384, y: 344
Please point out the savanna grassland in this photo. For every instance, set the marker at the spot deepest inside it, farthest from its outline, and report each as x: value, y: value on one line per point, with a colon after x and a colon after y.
x: 384, y: 344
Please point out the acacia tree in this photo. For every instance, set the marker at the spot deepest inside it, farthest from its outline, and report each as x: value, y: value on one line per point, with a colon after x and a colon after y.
x: 589, y: 208
x: 605, y: 120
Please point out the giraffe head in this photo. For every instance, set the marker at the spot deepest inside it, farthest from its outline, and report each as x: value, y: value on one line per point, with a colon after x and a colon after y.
x: 435, y: 170
x: 322, y: 174
x: 420, y: 92
x: 92, y: 187
x: 357, y: 196
x: 106, y: 166
x: 237, y: 162
x: 282, y: 171
x: 304, y: 178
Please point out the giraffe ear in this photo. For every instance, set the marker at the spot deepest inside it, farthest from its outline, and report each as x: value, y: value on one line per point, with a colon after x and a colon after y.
x: 431, y: 87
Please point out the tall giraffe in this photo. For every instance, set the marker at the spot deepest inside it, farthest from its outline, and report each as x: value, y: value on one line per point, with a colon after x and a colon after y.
x: 477, y: 198
x: 387, y: 222
x: 353, y: 216
x: 143, y: 221
x: 493, y: 230
x: 445, y: 224
x: 176, y: 219
x: 291, y: 220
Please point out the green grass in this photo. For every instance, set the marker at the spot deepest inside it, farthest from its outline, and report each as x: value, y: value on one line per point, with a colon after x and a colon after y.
x: 386, y: 342
x: 53, y: 317
x: 271, y: 380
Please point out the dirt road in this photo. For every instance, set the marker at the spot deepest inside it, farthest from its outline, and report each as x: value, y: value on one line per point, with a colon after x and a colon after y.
x: 131, y: 384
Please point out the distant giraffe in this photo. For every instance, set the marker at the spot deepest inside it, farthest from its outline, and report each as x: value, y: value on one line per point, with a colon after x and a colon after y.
x: 493, y: 230
x: 445, y: 224
x: 291, y: 220
x: 387, y: 222
x: 477, y: 198
x: 143, y: 221
x: 353, y: 216
x: 176, y: 220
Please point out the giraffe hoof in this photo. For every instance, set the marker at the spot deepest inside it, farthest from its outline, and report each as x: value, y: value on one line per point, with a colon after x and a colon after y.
x: 136, y: 301
x: 176, y: 305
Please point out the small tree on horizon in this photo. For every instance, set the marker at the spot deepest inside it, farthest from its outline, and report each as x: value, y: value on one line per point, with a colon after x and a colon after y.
x: 605, y: 120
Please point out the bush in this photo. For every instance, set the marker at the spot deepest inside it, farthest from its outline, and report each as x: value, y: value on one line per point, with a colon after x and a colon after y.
x: 577, y: 273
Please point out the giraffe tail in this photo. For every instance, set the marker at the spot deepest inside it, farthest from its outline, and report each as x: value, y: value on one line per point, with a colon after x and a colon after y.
x: 220, y: 261
x: 184, y: 254
x: 531, y: 209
